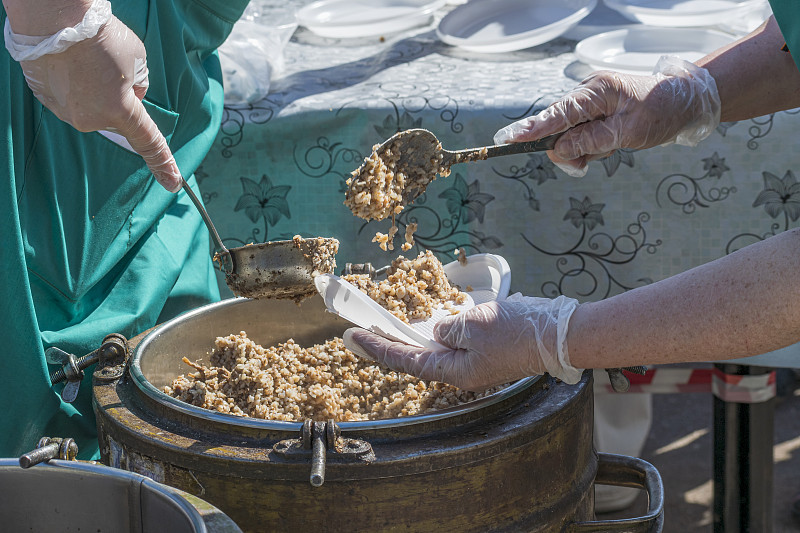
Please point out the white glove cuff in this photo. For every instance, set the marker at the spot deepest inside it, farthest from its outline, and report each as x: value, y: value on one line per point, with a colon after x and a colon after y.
x: 547, y: 322
x: 706, y: 95
x: 566, y: 373
x: 28, y: 47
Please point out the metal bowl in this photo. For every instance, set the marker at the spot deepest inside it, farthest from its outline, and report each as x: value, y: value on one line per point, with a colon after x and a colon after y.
x: 277, y: 269
x: 85, y: 496
x: 156, y: 360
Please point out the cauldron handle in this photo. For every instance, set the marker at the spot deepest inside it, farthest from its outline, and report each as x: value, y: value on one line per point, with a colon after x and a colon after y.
x: 625, y: 471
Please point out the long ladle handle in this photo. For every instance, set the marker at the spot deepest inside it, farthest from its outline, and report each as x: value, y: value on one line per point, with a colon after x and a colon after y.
x: 223, y: 253
x: 497, y: 150
x: 541, y: 145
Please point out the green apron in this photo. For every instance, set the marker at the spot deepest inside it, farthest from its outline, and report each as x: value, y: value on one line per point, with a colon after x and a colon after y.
x: 92, y: 245
x: 787, y: 15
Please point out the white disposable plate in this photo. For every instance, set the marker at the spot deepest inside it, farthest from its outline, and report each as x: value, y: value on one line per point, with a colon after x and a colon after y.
x: 484, y: 278
x: 507, y: 25
x: 365, y: 18
x: 637, y: 50
x: 683, y: 13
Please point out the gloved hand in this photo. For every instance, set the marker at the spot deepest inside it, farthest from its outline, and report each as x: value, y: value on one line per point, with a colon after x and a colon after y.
x: 94, y: 76
x: 609, y: 110
x: 490, y: 344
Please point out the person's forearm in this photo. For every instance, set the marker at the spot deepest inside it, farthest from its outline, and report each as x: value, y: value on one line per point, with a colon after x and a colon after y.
x: 743, y: 304
x: 44, y: 17
x: 754, y: 77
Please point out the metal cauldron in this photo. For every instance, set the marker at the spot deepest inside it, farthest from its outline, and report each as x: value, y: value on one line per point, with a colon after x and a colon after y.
x: 84, y: 496
x: 519, y: 460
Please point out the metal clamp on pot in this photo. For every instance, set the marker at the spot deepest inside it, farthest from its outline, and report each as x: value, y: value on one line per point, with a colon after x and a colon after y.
x: 112, y: 356
x: 318, y: 437
x: 619, y: 381
x: 50, y: 448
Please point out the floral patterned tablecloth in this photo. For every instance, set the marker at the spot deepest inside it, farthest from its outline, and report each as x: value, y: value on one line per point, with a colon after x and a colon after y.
x: 278, y: 167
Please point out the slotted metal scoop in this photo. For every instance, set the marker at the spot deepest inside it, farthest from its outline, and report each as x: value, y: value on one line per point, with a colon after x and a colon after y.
x: 417, y: 152
x: 277, y: 269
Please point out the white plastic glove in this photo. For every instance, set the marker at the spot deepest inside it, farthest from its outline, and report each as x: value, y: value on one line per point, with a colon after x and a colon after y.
x: 490, y: 344
x: 94, y: 76
x: 679, y: 103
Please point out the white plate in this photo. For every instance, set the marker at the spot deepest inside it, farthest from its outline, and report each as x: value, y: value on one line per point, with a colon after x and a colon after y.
x: 487, y: 275
x: 507, y: 25
x: 484, y: 277
x: 683, y: 13
x: 637, y: 50
x: 365, y: 18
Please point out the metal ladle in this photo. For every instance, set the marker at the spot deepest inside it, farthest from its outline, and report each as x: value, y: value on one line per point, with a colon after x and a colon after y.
x: 277, y: 269
x: 418, y: 150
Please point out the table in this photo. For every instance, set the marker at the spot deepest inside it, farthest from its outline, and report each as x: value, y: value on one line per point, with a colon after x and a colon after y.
x: 635, y: 218
x: 277, y: 168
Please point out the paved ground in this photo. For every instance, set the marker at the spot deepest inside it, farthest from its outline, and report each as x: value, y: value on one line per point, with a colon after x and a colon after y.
x: 680, y: 447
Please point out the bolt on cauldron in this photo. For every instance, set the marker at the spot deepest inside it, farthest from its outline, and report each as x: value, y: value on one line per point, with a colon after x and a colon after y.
x: 520, y: 459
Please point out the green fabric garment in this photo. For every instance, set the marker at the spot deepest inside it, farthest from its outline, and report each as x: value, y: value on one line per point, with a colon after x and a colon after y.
x: 92, y: 245
x: 787, y: 15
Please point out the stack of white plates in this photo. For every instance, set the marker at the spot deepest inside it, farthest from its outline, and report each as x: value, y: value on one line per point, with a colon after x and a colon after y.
x: 683, y: 13
x: 637, y: 50
x: 689, y: 29
x: 365, y: 18
x: 497, y: 26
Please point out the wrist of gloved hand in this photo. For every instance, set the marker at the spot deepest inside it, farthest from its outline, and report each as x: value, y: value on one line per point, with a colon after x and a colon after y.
x: 530, y: 330
x: 32, y: 47
x: 562, y: 309
x: 704, y: 96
